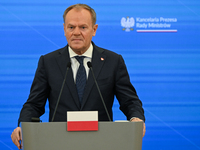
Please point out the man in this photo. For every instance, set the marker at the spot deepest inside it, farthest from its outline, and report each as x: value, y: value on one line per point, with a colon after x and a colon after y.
x: 109, y: 69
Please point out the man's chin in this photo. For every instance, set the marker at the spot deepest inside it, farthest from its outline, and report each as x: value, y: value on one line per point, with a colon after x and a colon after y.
x: 78, y: 49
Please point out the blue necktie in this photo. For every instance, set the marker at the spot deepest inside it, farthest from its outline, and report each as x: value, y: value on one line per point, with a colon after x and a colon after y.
x: 80, y: 77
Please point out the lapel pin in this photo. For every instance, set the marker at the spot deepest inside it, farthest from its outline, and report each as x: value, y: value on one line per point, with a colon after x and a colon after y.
x: 102, y: 59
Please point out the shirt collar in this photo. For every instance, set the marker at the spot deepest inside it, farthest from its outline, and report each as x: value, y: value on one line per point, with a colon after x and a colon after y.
x: 88, y: 52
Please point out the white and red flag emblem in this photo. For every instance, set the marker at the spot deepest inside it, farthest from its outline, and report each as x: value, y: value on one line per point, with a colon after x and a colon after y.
x: 82, y: 120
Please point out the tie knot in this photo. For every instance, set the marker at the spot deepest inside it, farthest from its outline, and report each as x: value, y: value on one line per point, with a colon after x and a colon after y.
x: 80, y: 59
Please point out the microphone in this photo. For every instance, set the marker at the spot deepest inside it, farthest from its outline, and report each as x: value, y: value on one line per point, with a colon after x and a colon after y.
x: 68, y: 67
x: 89, y: 64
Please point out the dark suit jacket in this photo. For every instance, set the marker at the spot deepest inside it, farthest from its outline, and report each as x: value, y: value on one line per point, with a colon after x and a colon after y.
x: 112, y: 77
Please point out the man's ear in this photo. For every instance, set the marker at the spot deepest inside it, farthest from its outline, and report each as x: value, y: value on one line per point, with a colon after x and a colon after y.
x: 95, y: 29
x: 64, y: 28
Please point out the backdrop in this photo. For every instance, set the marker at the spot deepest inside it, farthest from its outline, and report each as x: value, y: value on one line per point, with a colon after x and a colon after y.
x: 159, y: 40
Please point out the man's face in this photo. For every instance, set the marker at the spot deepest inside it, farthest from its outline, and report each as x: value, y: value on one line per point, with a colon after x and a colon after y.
x: 79, y: 30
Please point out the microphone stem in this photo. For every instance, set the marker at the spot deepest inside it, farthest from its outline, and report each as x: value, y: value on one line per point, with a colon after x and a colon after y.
x: 60, y: 95
x: 100, y: 95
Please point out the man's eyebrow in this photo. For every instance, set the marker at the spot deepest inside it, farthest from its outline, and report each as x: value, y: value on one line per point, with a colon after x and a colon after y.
x: 78, y: 25
x: 70, y: 25
x: 83, y: 25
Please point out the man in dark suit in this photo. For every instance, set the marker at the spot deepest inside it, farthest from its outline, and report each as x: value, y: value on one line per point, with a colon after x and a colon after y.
x: 109, y: 69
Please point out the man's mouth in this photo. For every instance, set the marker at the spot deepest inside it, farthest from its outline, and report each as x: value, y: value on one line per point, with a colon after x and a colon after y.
x: 76, y: 39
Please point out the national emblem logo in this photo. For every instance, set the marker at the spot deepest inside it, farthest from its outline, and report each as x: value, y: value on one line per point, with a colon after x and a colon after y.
x: 127, y: 23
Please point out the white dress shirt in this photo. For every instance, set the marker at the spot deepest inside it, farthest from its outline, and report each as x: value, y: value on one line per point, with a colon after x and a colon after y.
x: 75, y: 64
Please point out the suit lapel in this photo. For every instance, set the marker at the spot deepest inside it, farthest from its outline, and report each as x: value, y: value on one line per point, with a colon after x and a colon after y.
x: 98, y: 60
x: 62, y: 59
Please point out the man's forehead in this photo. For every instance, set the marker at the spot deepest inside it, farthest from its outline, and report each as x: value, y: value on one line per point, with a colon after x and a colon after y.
x: 76, y: 24
x: 79, y: 9
x: 73, y: 15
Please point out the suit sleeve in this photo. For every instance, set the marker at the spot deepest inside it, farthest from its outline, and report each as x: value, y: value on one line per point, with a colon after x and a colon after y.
x: 126, y: 94
x: 35, y: 105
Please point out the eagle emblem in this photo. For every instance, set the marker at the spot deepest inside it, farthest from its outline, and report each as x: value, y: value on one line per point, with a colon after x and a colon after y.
x: 127, y: 23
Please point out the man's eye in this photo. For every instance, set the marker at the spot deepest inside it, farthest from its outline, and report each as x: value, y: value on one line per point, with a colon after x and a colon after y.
x: 83, y: 27
x: 71, y: 27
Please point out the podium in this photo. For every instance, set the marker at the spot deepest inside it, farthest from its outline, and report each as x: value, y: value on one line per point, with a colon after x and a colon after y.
x: 110, y: 136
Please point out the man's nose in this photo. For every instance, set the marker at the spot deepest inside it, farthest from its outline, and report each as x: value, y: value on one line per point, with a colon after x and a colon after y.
x: 76, y: 31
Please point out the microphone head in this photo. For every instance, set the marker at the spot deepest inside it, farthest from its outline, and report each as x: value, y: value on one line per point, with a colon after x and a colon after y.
x: 89, y: 64
x: 69, y: 64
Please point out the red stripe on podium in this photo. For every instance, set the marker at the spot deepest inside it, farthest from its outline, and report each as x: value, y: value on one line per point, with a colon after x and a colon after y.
x: 82, y: 125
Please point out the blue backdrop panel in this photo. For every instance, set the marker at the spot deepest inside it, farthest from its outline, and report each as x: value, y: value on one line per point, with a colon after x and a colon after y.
x: 161, y: 48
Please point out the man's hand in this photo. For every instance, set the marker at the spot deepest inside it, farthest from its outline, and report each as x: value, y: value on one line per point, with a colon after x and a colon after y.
x: 144, y: 127
x: 17, y: 137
